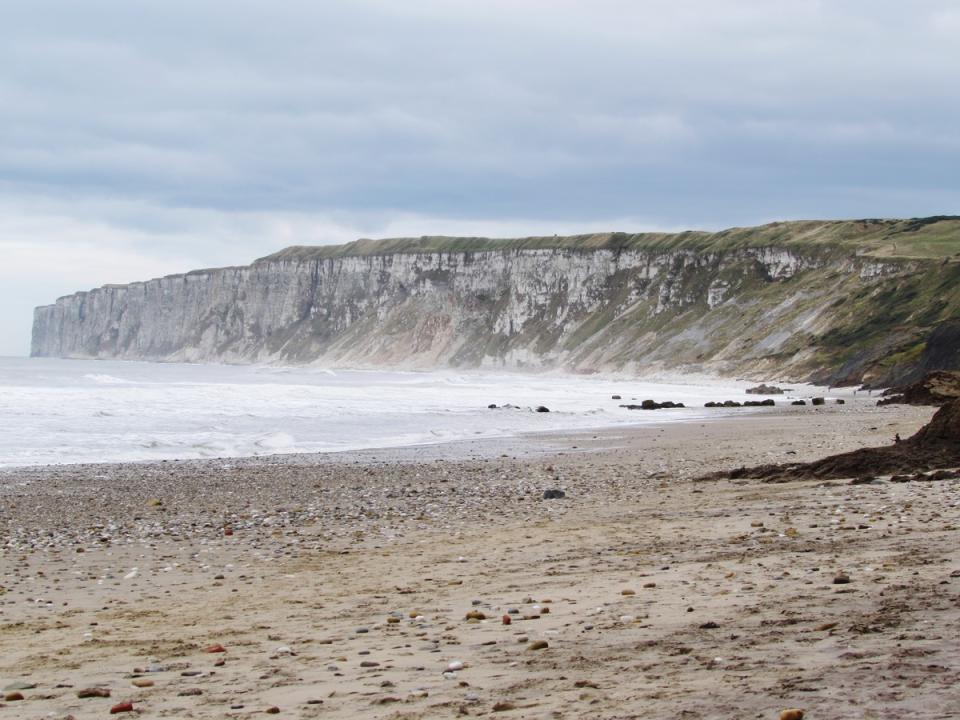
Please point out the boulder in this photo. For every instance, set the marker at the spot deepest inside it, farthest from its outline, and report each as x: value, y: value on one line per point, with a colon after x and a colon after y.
x: 819, y: 401
x: 542, y: 408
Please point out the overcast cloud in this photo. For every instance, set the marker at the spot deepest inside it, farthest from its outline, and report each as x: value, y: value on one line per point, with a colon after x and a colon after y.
x: 144, y: 138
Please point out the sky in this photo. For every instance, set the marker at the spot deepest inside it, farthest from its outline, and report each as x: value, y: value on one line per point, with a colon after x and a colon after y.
x: 140, y: 138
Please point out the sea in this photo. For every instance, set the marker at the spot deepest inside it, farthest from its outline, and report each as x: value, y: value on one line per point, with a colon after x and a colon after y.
x: 55, y: 411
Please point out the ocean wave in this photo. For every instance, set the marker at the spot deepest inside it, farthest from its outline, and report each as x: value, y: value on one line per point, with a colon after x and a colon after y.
x: 102, y: 379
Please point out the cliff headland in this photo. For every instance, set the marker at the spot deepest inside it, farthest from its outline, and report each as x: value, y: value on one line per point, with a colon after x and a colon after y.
x: 829, y: 301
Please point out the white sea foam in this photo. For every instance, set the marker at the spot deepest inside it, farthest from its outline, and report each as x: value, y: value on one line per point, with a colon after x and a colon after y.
x: 103, y: 379
x: 68, y: 411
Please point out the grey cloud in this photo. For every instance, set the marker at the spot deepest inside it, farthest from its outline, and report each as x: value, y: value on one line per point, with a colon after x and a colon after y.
x: 148, y: 116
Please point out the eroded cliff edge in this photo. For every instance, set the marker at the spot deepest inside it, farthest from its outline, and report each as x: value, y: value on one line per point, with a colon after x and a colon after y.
x: 835, y: 301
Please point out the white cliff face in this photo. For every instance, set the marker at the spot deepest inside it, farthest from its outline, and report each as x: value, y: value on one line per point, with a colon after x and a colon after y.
x: 583, y: 308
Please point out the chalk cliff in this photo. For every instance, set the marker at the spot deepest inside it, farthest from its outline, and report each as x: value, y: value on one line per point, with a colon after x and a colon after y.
x: 830, y: 300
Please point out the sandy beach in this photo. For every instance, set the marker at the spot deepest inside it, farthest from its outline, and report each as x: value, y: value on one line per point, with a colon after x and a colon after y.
x: 438, y: 582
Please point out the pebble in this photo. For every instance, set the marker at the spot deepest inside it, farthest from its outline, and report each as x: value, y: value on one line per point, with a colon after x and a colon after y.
x: 93, y: 692
x: 455, y: 665
x: 12, y: 696
x: 791, y: 714
x: 539, y: 645
x: 189, y: 692
x: 475, y: 615
x: 218, y: 648
x: 506, y: 620
x: 141, y: 682
x: 121, y: 708
x: 19, y: 686
x: 841, y: 579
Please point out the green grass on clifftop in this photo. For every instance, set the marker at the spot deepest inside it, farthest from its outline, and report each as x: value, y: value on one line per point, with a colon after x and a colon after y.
x: 920, y: 238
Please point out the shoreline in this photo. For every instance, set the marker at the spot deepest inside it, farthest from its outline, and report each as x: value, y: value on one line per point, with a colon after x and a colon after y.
x: 528, y: 441
x: 341, y: 589
x: 84, y: 412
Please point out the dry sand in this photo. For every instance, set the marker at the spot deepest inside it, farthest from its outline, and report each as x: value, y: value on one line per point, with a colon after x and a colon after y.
x: 340, y: 587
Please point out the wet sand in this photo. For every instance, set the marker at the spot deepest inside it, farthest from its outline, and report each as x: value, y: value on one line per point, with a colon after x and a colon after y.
x: 375, y: 584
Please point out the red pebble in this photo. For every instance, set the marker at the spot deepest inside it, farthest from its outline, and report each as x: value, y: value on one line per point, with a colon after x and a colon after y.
x: 215, y: 648
x: 507, y: 620
x: 121, y: 707
x: 228, y: 530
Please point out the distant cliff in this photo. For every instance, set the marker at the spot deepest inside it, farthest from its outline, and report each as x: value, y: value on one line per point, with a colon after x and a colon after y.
x: 835, y: 301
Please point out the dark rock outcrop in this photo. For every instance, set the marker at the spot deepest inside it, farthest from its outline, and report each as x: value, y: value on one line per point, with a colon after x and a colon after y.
x: 941, y: 351
x: 934, y: 446
x: 654, y: 405
x: 937, y: 388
